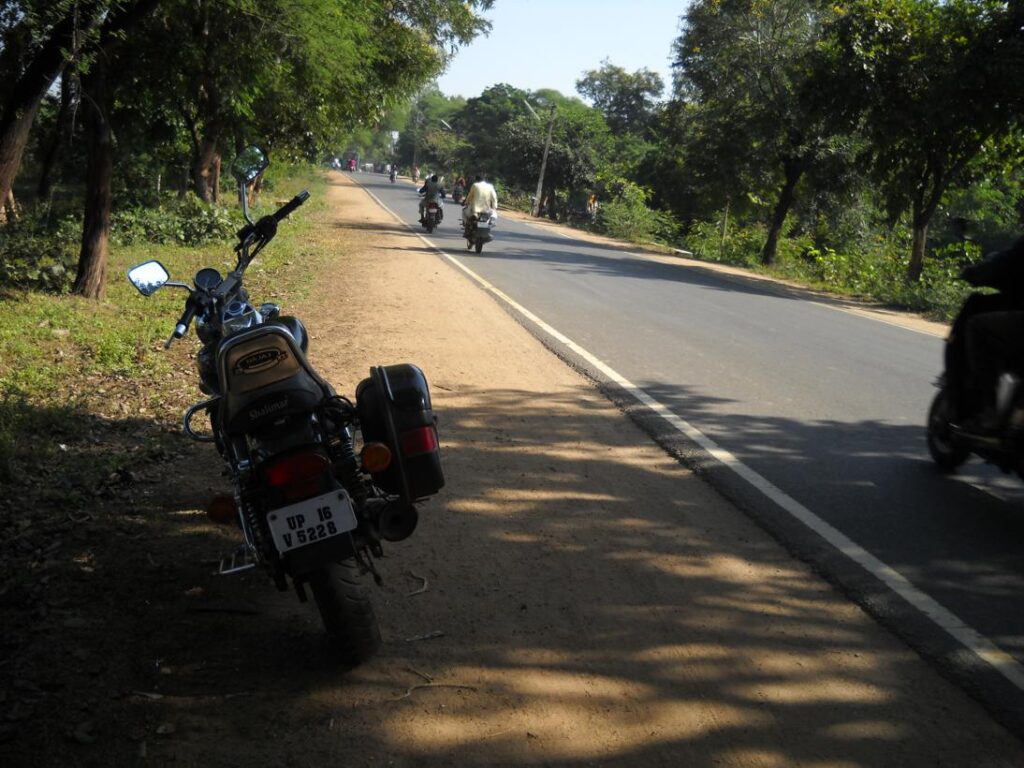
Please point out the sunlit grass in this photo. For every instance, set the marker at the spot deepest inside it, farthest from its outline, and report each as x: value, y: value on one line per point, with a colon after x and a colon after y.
x: 54, y: 349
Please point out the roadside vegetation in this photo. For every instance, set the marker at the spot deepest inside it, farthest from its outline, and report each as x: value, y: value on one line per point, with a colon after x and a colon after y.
x: 112, y: 151
x: 869, y: 147
x: 64, y: 355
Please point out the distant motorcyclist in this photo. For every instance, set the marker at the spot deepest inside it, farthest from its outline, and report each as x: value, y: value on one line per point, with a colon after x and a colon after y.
x: 459, y: 190
x: 432, y: 192
x: 394, y: 172
x: 481, y: 197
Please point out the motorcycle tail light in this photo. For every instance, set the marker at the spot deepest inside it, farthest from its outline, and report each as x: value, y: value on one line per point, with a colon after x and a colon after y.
x: 376, y: 457
x: 419, y: 441
x: 298, y: 476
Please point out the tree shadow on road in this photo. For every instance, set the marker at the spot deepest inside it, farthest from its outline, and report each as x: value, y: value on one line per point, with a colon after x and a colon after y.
x: 586, y: 605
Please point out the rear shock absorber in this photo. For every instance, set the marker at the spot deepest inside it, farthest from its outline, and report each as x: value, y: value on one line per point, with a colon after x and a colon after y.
x: 343, y: 454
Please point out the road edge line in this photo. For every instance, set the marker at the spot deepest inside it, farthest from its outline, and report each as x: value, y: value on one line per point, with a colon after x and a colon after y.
x: 979, y: 645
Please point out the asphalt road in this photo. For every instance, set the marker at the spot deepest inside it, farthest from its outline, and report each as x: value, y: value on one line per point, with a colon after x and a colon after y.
x: 825, y: 405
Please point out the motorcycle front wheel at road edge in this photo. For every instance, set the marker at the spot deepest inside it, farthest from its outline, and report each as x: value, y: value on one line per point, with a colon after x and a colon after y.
x: 944, y: 451
x: 342, y: 597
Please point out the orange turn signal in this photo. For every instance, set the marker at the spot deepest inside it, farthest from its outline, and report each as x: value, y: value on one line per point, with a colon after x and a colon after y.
x: 221, y: 509
x: 376, y: 457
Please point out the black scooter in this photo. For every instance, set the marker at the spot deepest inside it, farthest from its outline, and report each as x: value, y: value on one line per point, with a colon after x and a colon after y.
x: 951, y: 438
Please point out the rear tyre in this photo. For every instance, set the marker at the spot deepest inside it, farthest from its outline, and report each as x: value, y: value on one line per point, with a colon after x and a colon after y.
x: 942, y: 446
x: 479, y: 246
x: 430, y: 228
x: 344, y: 603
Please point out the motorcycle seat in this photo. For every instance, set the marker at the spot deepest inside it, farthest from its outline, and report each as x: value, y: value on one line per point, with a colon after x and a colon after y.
x: 265, y: 376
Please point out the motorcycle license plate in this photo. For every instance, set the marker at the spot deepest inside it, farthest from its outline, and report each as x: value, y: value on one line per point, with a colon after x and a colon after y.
x: 311, y: 521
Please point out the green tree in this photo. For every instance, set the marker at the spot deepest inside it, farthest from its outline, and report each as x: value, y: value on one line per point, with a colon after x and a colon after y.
x: 37, y: 39
x: 930, y: 82
x: 334, y: 64
x: 626, y: 99
x: 425, y: 139
x: 581, y: 144
x: 744, y: 64
x: 480, y: 123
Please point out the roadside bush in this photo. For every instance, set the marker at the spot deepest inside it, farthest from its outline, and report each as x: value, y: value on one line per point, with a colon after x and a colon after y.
x: 627, y: 216
x: 875, y: 270
x: 511, y: 198
x: 741, y: 246
x: 188, y: 221
x: 38, y: 252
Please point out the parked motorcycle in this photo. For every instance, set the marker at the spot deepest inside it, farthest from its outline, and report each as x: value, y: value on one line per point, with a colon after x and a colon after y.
x: 477, y: 230
x: 312, y: 510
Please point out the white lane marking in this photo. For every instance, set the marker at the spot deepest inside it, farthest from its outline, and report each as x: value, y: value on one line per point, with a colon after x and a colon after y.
x: 979, y: 645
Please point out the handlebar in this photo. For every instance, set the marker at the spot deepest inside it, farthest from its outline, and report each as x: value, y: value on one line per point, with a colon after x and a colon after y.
x: 265, y: 229
x: 186, y: 319
x: 291, y: 205
x: 285, y: 210
x: 181, y: 327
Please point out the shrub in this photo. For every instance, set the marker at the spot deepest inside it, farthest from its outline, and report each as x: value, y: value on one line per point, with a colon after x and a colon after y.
x: 38, y: 252
x: 741, y: 245
x: 512, y: 198
x: 627, y: 216
x: 188, y: 221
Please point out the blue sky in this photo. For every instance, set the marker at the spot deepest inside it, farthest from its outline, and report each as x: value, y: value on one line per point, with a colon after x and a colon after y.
x: 549, y: 43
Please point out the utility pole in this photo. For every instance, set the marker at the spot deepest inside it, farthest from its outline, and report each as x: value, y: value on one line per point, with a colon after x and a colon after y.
x: 543, y: 165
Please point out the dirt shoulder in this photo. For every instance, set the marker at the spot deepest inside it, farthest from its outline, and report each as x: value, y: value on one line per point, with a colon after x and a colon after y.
x: 588, y: 600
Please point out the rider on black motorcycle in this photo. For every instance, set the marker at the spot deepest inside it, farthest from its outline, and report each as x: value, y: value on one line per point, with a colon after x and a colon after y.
x: 481, y: 197
x: 432, y: 192
x: 987, y: 337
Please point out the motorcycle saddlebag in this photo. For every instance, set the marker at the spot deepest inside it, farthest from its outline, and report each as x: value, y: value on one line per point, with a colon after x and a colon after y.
x: 394, y: 408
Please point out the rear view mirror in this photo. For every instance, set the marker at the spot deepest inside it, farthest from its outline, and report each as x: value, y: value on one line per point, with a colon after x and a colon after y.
x: 249, y: 164
x: 148, y: 277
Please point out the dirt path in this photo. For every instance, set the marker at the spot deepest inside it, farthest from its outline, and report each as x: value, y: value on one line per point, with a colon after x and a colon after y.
x: 589, y: 601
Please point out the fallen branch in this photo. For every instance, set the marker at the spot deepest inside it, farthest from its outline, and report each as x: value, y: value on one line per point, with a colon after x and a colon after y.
x: 413, y: 688
x: 428, y: 636
x: 426, y: 677
x: 422, y: 589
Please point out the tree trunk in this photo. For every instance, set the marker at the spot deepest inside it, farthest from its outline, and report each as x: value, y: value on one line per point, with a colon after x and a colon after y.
x: 215, y: 168
x: 794, y: 169
x: 19, y: 111
x: 203, y: 168
x: 550, y: 203
x: 9, y: 208
x: 53, y: 154
x: 922, y: 210
x: 92, y: 261
x: 917, y: 250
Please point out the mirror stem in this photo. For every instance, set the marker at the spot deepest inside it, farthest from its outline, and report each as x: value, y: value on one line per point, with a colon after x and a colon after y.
x: 243, y: 197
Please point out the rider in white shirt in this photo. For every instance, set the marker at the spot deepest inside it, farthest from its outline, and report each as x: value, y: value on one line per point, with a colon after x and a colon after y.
x: 481, y: 197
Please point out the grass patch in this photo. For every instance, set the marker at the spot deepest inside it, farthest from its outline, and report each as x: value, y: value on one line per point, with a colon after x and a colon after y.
x: 62, y: 357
